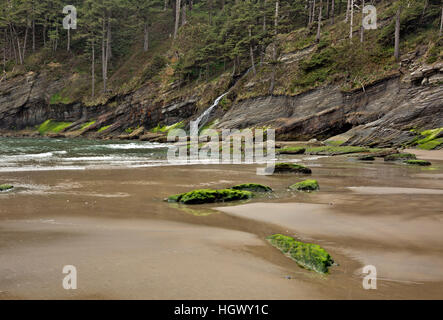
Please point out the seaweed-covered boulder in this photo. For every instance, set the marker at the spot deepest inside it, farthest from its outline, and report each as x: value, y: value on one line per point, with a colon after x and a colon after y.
x: 422, y: 163
x: 309, y: 256
x: 253, y: 187
x: 307, y: 185
x: 5, y: 187
x: 291, y: 168
x: 210, y: 196
x: 366, y: 158
x: 384, y: 153
x: 400, y: 157
x: 292, y: 150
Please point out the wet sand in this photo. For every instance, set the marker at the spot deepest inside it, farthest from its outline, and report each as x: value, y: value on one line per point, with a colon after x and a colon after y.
x: 128, y: 244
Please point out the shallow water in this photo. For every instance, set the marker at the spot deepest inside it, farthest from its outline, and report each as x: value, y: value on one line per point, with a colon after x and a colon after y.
x: 77, y: 154
x: 126, y: 242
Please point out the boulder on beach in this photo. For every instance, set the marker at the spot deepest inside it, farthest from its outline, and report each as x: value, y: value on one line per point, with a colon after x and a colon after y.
x: 253, y: 187
x: 210, y: 196
x: 291, y: 168
x: 307, y: 185
x: 422, y: 163
x: 400, y: 157
x: 292, y: 150
x: 309, y: 256
x: 366, y: 158
x: 5, y: 187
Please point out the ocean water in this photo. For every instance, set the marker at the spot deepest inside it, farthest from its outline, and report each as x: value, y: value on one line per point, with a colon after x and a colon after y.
x: 42, y: 154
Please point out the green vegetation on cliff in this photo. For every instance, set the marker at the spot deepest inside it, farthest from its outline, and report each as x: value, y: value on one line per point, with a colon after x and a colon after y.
x: 51, y: 126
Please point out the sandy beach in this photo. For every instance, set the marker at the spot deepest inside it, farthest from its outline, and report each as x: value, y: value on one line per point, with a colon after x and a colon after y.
x: 127, y: 243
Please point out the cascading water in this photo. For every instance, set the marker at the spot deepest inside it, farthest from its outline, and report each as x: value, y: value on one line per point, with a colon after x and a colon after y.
x: 203, y: 119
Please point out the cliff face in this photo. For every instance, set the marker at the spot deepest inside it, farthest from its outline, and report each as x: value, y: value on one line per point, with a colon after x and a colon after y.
x: 380, y: 114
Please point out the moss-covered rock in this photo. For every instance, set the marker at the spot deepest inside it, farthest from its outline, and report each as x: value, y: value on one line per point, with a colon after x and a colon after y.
x: 422, y: 163
x: 309, y: 256
x: 366, y: 158
x: 384, y: 153
x: 400, y: 157
x: 291, y: 168
x: 337, y: 150
x: 292, y: 150
x: 5, y: 187
x: 210, y: 196
x: 307, y: 185
x: 253, y: 187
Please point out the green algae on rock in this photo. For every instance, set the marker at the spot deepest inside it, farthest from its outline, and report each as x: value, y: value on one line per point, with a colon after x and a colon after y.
x: 291, y: 168
x: 210, y: 196
x: 366, y: 158
x: 253, y: 187
x: 309, y: 256
x: 5, y: 187
x: 422, y: 163
x: 307, y: 185
x: 292, y: 150
x: 400, y: 156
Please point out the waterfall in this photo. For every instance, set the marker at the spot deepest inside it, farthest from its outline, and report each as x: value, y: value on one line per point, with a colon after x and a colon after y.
x: 203, y: 119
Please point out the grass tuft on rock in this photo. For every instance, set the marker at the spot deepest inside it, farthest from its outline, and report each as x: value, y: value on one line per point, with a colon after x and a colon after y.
x: 291, y: 168
x: 307, y: 185
x: 210, y: 196
x: 400, y: 157
x: 309, y: 256
x: 5, y: 187
x: 252, y: 187
x: 422, y: 163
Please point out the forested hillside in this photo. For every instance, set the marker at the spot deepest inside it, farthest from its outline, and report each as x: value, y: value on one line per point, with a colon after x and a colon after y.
x: 305, y: 67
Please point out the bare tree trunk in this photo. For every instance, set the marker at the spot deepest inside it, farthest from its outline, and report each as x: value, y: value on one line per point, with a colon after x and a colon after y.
x: 165, y: 5
x: 4, y: 49
x: 104, y: 58
x: 33, y: 35
x: 177, y: 17
x: 93, y: 68
x: 317, y: 38
x: 18, y: 46
x: 362, y: 31
x: 313, y: 12
x: 352, y: 19
x: 69, y: 39
x: 251, y: 52
x: 424, y: 9
x: 274, y: 49
x: 332, y: 11
x: 108, y: 44
x: 184, y: 14
x: 25, y: 41
x: 13, y: 44
x: 327, y: 9
x: 397, y: 34
x: 44, y: 34
x: 146, y: 38
x: 309, y: 13
x: 441, y: 22
x: 348, y: 7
